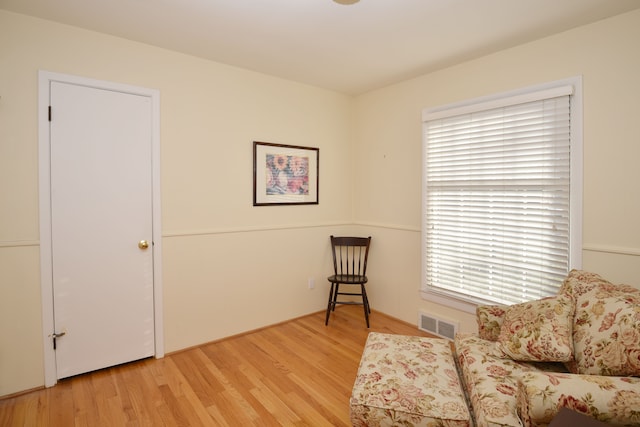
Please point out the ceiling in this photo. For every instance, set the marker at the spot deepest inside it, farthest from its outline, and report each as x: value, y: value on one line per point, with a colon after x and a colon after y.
x: 347, y: 48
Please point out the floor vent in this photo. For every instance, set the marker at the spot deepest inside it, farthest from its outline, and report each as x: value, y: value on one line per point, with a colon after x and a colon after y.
x: 434, y: 325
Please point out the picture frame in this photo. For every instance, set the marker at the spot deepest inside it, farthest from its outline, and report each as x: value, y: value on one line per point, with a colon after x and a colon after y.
x: 285, y: 174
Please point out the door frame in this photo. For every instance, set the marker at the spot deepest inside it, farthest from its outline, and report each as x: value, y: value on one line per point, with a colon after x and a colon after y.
x: 44, y: 157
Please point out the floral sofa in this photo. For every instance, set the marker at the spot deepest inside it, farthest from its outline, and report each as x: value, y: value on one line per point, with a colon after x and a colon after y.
x: 579, y: 349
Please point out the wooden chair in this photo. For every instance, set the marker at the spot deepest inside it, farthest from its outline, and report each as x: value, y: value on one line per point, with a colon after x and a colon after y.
x: 350, y: 268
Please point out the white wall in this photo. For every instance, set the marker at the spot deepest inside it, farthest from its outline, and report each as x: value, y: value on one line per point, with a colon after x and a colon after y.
x: 388, y: 139
x: 228, y: 267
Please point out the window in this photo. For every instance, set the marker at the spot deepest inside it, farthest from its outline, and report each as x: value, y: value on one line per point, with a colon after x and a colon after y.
x: 501, y: 195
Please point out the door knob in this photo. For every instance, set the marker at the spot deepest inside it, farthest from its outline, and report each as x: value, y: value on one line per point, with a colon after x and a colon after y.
x: 143, y: 244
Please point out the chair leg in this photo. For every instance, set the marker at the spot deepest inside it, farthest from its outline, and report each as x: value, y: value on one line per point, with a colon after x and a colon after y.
x: 365, y: 298
x: 335, y: 297
x: 365, y: 304
x: 331, y: 297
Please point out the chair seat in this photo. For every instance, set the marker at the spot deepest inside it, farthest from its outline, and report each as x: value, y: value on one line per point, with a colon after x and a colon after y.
x: 347, y: 279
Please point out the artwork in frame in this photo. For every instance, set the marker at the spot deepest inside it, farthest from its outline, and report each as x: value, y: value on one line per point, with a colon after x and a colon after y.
x: 285, y: 174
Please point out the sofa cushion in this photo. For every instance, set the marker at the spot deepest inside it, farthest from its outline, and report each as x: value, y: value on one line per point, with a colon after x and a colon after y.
x: 606, y: 330
x: 538, y: 330
x: 490, y: 318
x: 579, y: 282
x: 490, y: 381
x: 409, y: 381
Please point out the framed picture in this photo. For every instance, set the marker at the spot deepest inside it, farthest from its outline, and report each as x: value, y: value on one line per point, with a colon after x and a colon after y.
x: 284, y: 174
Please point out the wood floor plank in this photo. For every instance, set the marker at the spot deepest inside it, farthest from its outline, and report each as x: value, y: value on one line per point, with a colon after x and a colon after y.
x: 62, y: 407
x: 298, y: 373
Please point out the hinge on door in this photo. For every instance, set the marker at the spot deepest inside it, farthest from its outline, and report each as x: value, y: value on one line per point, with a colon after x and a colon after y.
x: 49, y: 112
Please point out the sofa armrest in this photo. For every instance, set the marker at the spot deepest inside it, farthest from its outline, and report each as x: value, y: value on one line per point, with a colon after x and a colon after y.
x: 614, y: 400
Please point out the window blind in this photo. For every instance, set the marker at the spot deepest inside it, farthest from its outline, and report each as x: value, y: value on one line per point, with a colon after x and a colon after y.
x: 496, y: 200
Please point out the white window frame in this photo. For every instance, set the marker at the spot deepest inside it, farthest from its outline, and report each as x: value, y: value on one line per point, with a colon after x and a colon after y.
x: 469, y: 304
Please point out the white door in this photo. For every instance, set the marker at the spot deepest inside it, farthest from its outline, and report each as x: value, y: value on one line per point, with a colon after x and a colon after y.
x: 101, y: 211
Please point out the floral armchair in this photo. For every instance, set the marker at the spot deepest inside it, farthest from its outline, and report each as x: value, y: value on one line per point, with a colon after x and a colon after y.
x: 579, y: 349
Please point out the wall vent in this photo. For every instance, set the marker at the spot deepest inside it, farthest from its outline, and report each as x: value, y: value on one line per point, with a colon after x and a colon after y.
x: 437, y: 326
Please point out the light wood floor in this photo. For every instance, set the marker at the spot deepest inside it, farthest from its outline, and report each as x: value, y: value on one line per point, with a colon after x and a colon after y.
x: 296, y: 373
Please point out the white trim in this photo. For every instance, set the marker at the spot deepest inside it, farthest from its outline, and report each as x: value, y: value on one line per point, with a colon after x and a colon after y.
x: 521, y: 96
x: 18, y: 243
x: 398, y: 227
x: 577, y: 165
x: 44, y: 157
x: 593, y: 247
x: 449, y: 301
x: 44, y: 194
x: 249, y: 229
x: 158, y: 295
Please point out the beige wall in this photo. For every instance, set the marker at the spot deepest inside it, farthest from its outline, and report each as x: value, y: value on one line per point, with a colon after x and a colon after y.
x: 388, y: 142
x: 230, y: 267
